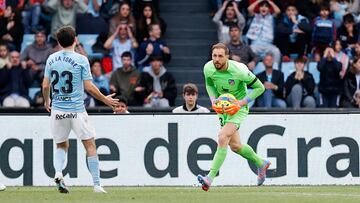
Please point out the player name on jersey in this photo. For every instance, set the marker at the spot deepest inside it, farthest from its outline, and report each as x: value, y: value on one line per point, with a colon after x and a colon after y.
x: 66, y: 59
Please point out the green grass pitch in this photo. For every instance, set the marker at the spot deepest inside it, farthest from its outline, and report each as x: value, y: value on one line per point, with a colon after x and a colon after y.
x: 264, y: 194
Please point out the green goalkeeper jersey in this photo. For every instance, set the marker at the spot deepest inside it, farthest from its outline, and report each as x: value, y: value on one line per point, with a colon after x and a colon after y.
x: 233, y: 80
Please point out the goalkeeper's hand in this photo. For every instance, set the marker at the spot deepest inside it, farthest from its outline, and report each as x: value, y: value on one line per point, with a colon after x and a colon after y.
x: 217, y: 109
x: 232, y: 109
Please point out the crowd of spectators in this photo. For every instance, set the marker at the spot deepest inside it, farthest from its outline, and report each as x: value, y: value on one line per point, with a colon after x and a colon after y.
x: 129, y: 34
x: 277, y: 33
x: 134, y: 53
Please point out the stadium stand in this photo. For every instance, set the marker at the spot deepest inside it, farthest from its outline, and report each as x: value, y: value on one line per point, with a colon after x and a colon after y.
x: 190, y: 32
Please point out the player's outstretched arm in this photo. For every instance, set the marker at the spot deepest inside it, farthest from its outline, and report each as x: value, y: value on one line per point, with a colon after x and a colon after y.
x: 95, y: 92
x: 258, y: 89
x: 46, y: 93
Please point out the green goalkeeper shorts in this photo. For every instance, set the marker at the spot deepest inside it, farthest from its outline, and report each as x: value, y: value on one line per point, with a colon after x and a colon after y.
x: 236, y: 119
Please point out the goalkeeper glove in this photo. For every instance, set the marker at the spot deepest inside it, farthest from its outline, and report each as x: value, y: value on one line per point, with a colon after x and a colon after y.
x: 232, y: 109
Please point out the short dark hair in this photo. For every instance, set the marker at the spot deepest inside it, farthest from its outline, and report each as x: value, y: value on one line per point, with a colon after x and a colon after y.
x: 126, y: 54
x: 2, y: 43
x: 92, y: 62
x: 155, y: 58
x: 234, y: 26
x: 300, y: 60
x: 290, y: 5
x: 40, y: 31
x: 122, y: 99
x: 66, y: 36
x: 264, y: 3
x: 348, y: 18
x: 190, y: 88
x: 325, y: 6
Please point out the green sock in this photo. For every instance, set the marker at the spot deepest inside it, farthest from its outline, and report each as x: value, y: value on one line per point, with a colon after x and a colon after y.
x: 218, y: 160
x: 248, y: 153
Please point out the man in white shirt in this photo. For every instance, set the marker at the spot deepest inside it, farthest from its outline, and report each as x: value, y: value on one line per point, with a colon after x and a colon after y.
x: 190, y: 94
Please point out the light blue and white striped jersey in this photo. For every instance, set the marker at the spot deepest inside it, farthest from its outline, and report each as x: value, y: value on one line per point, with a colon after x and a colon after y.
x: 67, y: 70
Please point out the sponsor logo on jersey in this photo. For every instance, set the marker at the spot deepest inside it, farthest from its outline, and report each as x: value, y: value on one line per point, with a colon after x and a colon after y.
x: 65, y: 115
x: 62, y: 98
x: 225, y: 90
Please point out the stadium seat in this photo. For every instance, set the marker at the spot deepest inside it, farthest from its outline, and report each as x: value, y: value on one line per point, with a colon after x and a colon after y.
x: 88, y: 40
x: 312, y: 68
x: 260, y: 67
x: 287, y: 68
x: 27, y: 40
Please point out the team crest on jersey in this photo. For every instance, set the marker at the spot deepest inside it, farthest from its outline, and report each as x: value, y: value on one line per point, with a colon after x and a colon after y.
x: 231, y: 82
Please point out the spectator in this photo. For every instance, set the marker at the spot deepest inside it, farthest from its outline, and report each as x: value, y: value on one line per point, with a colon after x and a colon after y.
x: 122, y: 107
x: 190, y: 95
x: 273, y: 81
x: 35, y: 55
x: 299, y: 87
x: 330, y: 85
x: 16, y: 80
x: 99, y: 80
x: 153, y: 46
x: 2, y: 7
x: 31, y: 15
x: 124, y: 16
x: 348, y: 34
x: 261, y: 30
x: 147, y: 17
x: 11, y: 29
x: 348, y: 97
x: 232, y: 17
x: 324, y: 32
x: 91, y: 17
x: 65, y: 12
x: 339, y: 9
x: 120, y: 41
x: 356, y: 50
x: 124, y: 80
x: 341, y: 57
x: 16, y: 4
x: 140, y: 4
x: 156, y: 87
x: 293, y: 32
x: 4, y: 56
x: 239, y: 51
x: 310, y: 8
x: 353, y: 7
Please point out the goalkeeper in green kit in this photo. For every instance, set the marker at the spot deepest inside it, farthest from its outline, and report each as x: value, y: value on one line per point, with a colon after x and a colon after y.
x: 227, y: 76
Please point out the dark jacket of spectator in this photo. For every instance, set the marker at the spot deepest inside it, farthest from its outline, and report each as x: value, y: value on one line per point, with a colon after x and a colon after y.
x: 277, y: 78
x: 14, y: 80
x: 167, y: 82
x: 287, y: 40
x: 324, y: 31
x: 345, y: 37
x: 350, y: 86
x: 12, y: 25
x: 158, y: 44
x: 308, y: 83
x: 330, y: 81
